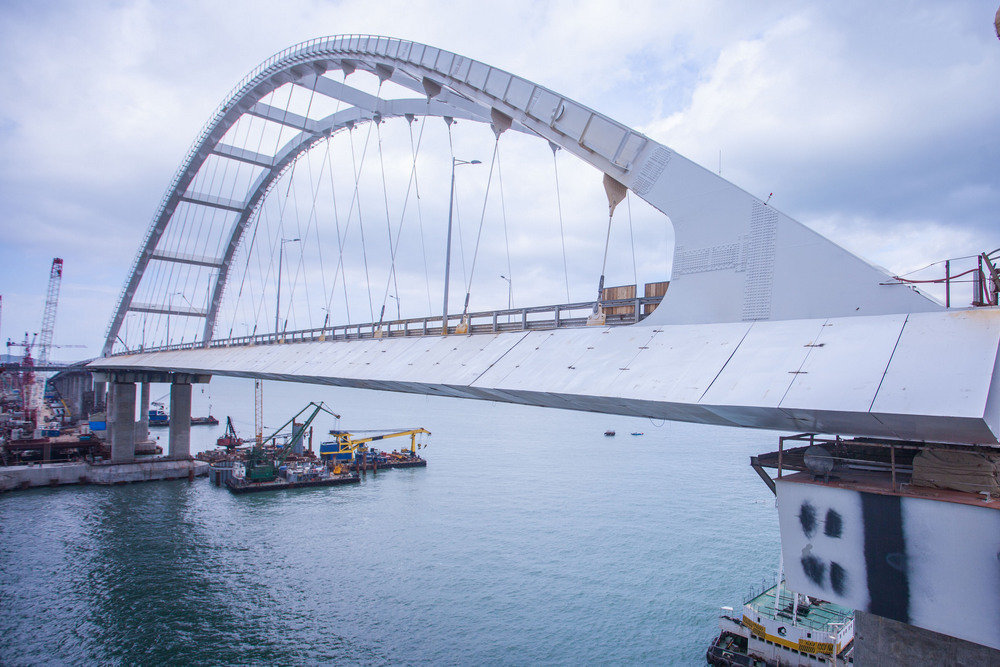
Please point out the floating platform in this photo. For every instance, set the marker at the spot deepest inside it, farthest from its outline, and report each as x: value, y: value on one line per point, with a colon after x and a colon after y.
x: 413, y: 463
x: 254, y: 487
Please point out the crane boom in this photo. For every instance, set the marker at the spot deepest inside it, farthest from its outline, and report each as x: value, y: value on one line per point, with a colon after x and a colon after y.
x: 49, y: 315
x: 345, y: 444
x: 45, y: 337
x: 263, y: 467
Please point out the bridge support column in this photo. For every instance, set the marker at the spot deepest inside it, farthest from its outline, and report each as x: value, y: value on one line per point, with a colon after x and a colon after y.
x: 142, y: 426
x: 100, y: 396
x: 122, y: 422
x: 180, y: 420
x: 883, y: 642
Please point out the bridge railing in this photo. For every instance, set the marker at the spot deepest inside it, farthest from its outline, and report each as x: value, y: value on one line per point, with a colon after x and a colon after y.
x: 618, y: 312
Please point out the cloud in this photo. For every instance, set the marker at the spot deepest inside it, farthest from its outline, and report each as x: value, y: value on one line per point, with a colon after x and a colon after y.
x: 880, y: 133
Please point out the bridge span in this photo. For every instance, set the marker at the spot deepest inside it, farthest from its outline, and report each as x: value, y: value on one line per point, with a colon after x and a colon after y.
x: 766, y: 324
x: 899, y: 376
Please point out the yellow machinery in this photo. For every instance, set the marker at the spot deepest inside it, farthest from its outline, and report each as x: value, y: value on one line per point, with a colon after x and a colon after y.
x: 346, y: 445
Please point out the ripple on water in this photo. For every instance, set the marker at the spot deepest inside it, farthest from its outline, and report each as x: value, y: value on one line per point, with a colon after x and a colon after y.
x: 530, y: 538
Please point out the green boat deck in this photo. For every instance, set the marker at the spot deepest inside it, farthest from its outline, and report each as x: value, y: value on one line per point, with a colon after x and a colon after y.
x: 816, y: 616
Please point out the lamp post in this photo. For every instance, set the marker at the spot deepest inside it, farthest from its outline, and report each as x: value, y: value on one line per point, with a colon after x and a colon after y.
x: 510, y: 297
x: 277, y: 305
x: 170, y: 309
x: 510, y: 291
x: 447, y: 255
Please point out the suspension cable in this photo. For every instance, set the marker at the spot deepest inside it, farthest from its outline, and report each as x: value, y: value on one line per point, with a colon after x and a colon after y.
x: 616, y: 193
x: 361, y: 226
x: 635, y: 268
x: 394, y: 245
x: 562, y: 233
x: 506, y: 239
x: 340, y: 246
x: 479, y: 233
x: 420, y: 218
x: 377, y: 120
x: 458, y: 209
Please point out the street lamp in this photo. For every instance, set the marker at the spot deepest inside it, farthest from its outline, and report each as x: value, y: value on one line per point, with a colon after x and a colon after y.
x: 510, y: 289
x: 277, y: 305
x: 170, y: 308
x: 455, y: 162
x: 399, y: 315
x: 510, y: 297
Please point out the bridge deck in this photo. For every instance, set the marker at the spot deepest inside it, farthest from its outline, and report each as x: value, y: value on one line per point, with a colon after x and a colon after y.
x: 923, y: 377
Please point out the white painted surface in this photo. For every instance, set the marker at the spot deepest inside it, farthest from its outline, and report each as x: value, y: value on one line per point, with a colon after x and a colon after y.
x: 954, y: 552
x: 938, y: 384
x: 952, y: 558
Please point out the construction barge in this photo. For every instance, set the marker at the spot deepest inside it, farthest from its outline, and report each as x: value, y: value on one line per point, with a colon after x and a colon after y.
x: 238, y: 483
x: 281, y: 460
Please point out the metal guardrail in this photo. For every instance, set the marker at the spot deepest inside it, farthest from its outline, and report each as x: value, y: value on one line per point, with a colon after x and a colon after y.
x: 532, y: 318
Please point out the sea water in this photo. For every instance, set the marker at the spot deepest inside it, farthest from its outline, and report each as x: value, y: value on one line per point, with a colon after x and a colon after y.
x: 530, y: 538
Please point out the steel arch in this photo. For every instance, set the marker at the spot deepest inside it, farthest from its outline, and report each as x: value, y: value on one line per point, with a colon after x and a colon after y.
x: 727, y: 241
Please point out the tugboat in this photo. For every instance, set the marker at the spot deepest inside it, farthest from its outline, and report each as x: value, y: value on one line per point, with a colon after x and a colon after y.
x: 157, y: 415
x: 780, y: 627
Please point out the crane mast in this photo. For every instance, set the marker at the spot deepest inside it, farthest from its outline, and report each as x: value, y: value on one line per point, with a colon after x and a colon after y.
x: 45, y: 338
x: 49, y: 316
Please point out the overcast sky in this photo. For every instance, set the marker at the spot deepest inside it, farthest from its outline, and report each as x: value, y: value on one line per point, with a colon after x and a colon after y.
x: 874, y: 123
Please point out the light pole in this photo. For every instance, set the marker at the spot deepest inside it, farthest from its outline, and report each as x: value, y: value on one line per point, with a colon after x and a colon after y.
x: 510, y: 297
x: 399, y: 315
x: 447, y: 255
x: 277, y: 305
x: 170, y: 308
x: 510, y: 291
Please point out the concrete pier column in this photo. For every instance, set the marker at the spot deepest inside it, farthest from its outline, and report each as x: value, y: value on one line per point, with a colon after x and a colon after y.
x: 142, y: 426
x: 100, y: 396
x: 180, y: 421
x: 122, y: 422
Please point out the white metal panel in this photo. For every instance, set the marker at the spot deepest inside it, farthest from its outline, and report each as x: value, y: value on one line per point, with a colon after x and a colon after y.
x: 763, y: 366
x: 681, y: 362
x: 845, y: 369
x: 948, y: 351
x: 519, y: 92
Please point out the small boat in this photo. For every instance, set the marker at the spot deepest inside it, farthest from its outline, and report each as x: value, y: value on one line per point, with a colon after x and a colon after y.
x: 204, y: 421
x: 637, y: 433
x: 157, y: 415
x: 609, y: 433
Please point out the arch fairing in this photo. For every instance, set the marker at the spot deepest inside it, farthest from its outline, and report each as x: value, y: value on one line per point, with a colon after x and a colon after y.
x: 728, y: 242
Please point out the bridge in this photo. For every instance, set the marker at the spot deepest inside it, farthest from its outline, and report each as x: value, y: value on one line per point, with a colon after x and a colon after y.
x: 764, y: 323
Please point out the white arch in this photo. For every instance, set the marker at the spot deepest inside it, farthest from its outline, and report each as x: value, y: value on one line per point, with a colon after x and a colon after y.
x: 735, y: 258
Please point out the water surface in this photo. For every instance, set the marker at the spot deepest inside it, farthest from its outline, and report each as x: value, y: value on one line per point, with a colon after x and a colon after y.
x: 529, y: 538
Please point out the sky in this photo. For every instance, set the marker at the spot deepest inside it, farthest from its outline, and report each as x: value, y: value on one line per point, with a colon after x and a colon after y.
x: 873, y: 123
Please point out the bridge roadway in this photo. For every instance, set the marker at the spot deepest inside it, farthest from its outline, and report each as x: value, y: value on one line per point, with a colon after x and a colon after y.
x: 931, y: 377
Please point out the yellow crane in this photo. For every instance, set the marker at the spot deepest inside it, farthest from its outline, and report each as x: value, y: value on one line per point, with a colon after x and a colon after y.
x: 346, y: 443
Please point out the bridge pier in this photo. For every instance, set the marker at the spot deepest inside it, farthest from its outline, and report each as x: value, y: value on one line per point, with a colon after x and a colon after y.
x: 142, y: 426
x: 100, y: 395
x: 180, y: 420
x: 122, y: 422
x: 123, y: 428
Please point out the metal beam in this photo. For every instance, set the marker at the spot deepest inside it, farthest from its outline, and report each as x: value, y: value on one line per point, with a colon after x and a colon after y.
x: 181, y: 258
x: 167, y: 310
x: 282, y: 116
x: 213, y: 201
x: 243, y: 155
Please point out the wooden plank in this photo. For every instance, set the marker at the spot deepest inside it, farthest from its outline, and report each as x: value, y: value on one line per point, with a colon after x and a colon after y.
x: 654, y: 289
